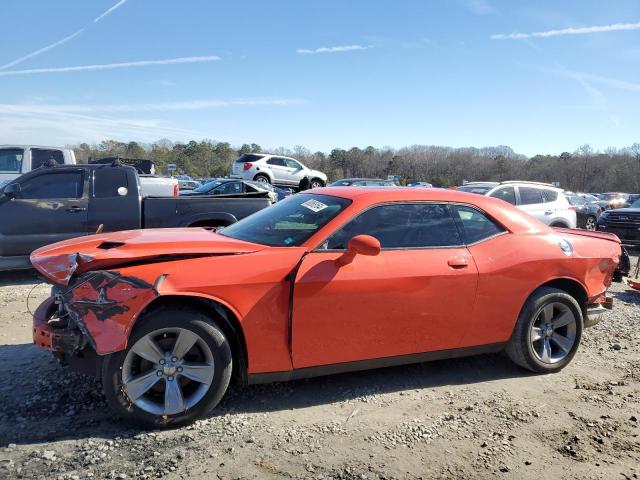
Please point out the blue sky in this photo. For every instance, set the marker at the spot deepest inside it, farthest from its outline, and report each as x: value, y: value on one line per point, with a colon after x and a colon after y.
x: 542, y: 77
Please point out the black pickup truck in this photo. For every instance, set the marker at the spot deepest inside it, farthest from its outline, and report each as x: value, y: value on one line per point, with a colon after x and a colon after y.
x: 51, y: 204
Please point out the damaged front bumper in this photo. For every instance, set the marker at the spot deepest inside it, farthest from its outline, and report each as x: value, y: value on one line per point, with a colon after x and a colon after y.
x: 95, y: 310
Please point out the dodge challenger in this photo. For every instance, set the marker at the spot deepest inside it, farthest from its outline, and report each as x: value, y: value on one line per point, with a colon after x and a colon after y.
x: 330, y: 280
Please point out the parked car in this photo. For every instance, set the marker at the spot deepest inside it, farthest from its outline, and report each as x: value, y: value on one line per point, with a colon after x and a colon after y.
x: 328, y: 280
x: 229, y: 186
x: 586, y: 213
x: 16, y: 160
x: 363, y: 182
x: 624, y: 222
x: 541, y: 200
x: 613, y: 200
x: 187, y: 185
x: 420, y: 184
x: 52, y: 204
x: 275, y: 169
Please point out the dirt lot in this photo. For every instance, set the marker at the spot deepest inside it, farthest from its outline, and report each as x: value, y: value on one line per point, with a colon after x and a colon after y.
x: 478, y: 417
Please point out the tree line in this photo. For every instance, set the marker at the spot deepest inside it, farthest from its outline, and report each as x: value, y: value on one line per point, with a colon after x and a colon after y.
x: 582, y: 170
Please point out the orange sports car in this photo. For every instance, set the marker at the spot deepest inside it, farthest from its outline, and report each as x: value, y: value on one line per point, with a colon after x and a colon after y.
x: 329, y: 280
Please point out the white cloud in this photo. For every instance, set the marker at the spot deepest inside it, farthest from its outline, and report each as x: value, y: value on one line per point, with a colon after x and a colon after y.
x: 480, y: 7
x: 72, y: 123
x: 204, y: 104
x: 569, y: 31
x: 109, y: 11
x: 337, y: 49
x: 107, y: 66
x: 35, y: 53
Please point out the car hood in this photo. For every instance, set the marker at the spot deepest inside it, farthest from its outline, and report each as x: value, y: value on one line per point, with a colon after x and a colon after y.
x: 60, y: 261
x: 624, y: 210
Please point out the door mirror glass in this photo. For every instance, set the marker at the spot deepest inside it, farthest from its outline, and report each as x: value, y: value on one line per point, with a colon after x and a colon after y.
x: 12, y: 190
x: 360, y: 245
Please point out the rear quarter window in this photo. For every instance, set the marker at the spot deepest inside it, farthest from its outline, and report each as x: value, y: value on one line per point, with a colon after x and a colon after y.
x: 550, y: 195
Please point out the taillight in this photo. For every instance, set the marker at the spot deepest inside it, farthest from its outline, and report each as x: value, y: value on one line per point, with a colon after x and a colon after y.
x: 248, y: 165
x: 573, y: 208
x: 176, y: 190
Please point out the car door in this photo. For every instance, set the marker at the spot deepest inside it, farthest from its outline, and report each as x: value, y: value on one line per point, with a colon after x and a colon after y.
x: 295, y: 172
x: 416, y: 296
x: 280, y: 170
x: 531, y: 200
x: 50, y: 207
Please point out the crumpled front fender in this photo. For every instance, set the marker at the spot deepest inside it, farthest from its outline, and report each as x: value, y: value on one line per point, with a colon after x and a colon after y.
x: 103, y: 305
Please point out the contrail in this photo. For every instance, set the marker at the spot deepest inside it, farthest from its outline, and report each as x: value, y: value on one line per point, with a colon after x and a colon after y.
x: 338, y: 49
x: 35, y: 53
x: 569, y: 31
x: 109, y: 11
x: 42, y: 50
x: 106, y: 66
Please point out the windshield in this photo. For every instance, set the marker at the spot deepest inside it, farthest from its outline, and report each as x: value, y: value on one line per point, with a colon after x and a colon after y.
x: 208, y: 186
x: 479, y: 189
x: 636, y: 204
x: 288, y: 223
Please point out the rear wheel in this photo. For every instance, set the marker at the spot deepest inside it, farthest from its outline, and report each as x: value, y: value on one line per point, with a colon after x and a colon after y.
x: 176, y: 369
x: 590, y: 223
x: 316, y: 183
x: 262, y: 178
x: 548, y: 331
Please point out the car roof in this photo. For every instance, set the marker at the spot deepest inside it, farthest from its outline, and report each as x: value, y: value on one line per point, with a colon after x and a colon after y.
x: 35, y: 146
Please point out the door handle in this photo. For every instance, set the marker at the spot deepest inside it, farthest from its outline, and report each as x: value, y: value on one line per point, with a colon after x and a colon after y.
x: 548, y: 212
x: 458, y: 262
x: 76, y: 209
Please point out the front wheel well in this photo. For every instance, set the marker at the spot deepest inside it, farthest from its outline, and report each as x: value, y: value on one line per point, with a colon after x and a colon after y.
x: 223, y: 316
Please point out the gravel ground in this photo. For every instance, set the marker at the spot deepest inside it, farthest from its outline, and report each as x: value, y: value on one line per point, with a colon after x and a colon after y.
x: 478, y: 417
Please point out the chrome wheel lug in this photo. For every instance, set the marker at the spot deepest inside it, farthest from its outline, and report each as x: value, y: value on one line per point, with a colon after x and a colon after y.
x: 159, y: 373
x: 179, y: 369
x: 170, y: 379
x: 174, y: 359
x: 162, y: 361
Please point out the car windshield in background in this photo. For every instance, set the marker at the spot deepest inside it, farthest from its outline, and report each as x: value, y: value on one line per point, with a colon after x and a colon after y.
x: 635, y: 204
x: 207, y: 186
x: 480, y: 190
x: 288, y: 223
x: 574, y: 200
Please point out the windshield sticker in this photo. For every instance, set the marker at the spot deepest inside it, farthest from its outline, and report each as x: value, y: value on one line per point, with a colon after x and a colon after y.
x: 314, y: 205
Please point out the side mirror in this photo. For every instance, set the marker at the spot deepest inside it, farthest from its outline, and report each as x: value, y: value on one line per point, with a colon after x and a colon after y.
x: 359, y: 245
x: 12, y: 190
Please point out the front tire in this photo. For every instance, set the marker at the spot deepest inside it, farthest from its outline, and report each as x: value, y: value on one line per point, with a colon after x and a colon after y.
x: 175, y: 369
x: 548, y: 331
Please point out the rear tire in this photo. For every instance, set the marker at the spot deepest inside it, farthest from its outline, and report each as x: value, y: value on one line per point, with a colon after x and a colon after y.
x: 178, y: 387
x: 316, y: 183
x: 548, y: 331
x: 262, y: 178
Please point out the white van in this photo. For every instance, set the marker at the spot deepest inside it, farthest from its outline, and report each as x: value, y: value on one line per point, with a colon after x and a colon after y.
x: 18, y: 159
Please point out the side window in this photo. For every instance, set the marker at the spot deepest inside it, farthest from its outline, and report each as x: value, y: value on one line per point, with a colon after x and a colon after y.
x: 508, y: 194
x: 551, y: 196
x: 53, y: 186
x: 229, y: 188
x: 476, y: 225
x: 277, y: 161
x: 530, y: 196
x: 401, y: 225
x: 107, y: 182
x: 292, y: 164
x: 40, y: 156
x: 11, y: 160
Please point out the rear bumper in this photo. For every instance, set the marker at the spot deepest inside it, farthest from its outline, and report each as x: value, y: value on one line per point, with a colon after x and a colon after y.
x: 596, y: 312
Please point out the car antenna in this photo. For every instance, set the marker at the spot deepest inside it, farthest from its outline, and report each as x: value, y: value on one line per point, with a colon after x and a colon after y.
x: 100, y: 228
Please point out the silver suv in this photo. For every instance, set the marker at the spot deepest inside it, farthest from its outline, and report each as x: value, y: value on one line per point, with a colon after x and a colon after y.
x: 541, y: 200
x: 275, y: 169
